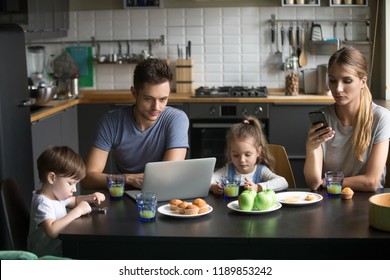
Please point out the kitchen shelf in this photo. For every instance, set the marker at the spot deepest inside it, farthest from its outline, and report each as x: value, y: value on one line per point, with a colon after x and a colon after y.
x: 134, y: 4
x: 352, y: 5
x: 306, y: 3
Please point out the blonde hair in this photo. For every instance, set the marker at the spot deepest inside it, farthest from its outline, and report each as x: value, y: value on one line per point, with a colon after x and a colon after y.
x: 250, y: 127
x: 354, y: 59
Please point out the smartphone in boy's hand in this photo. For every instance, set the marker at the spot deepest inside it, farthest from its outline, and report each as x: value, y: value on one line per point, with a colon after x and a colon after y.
x: 101, y: 210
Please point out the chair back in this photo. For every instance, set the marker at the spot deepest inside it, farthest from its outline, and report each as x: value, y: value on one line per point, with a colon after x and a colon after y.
x: 282, y: 163
x: 387, y: 178
x: 16, y: 212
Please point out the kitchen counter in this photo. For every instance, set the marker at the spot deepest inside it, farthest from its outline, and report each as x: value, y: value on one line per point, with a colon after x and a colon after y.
x: 124, y: 96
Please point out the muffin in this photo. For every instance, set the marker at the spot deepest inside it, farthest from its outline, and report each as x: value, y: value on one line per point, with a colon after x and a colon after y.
x: 346, y: 193
x: 203, y: 206
x: 309, y: 197
x: 174, y: 203
x: 191, y: 209
x: 181, y: 207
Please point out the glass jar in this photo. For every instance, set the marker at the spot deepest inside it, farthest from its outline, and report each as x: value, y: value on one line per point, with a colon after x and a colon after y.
x: 292, y: 76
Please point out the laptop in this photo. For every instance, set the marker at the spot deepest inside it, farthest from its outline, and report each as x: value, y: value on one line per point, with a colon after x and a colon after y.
x: 181, y: 179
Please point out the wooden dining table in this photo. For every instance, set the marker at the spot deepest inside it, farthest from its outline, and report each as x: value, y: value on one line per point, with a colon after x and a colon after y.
x: 331, y: 228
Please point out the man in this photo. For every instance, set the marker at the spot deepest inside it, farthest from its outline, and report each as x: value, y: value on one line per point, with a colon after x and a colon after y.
x: 145, y: 132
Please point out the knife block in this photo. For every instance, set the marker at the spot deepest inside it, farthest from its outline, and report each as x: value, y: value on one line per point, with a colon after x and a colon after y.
x: 184, y: 76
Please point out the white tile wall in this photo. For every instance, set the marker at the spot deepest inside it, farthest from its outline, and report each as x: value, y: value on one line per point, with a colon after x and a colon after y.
x: 230, y: 46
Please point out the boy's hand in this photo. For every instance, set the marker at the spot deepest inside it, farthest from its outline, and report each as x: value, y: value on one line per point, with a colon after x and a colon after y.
x: 84, y: 208
x: 98, y: 197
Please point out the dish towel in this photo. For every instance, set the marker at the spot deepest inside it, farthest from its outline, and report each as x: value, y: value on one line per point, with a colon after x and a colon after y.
x: 83, y: 57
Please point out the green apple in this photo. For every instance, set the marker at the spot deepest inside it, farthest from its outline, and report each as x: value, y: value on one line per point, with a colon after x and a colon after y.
x: 273, y: 194
x: 264, y: 200
x: 245, y: 201
x: 251, y: 192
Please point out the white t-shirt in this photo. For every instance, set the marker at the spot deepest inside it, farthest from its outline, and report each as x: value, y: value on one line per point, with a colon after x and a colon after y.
x: 43, y: 208
x: 339, y: 153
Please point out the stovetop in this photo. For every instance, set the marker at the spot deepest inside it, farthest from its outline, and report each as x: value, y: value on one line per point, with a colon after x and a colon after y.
x: 231, y: 91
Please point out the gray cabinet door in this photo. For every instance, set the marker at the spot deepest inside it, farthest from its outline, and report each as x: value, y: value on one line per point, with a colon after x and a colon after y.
x: 45, y: 132
x: 288, y: 126
x: 59, y: 129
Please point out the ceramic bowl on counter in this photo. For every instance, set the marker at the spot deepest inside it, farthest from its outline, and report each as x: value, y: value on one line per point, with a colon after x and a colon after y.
x: 379, y: 211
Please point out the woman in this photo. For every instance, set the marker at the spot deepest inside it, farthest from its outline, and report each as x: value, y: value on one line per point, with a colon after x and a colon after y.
x: 357, y: 139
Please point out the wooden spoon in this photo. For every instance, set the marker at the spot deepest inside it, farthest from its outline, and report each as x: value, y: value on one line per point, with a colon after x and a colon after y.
x: 302, y: 57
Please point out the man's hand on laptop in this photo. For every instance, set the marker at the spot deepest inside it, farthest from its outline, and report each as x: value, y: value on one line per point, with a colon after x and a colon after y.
x: 135, y: 180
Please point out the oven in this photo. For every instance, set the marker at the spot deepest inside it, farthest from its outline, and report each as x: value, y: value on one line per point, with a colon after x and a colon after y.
x: 209, y: 123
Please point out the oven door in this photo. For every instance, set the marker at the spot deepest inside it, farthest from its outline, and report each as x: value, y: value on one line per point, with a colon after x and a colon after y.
x: 207, y: 138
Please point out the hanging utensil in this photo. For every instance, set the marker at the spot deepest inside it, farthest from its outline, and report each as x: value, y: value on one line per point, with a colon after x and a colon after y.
x: 302, y: 57
x: 298, y: 41
x: 290, y: 31
x: 278, y: 53
x: 272, y: 37
x: 293, y: 44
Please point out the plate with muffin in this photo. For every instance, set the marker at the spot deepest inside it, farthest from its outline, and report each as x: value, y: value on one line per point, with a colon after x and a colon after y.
x: 185, y: 209
x: 298, y: 198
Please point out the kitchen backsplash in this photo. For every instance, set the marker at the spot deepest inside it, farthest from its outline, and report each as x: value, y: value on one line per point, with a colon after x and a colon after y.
x: 230, y: 46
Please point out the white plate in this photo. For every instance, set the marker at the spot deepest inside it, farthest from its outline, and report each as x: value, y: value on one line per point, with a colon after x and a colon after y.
x: 297, y: 198
x: 234, y: 206
x: 166, y: 210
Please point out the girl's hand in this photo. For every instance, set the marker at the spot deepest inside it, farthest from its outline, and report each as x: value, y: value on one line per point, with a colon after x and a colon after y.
x: 216, y: 188
x: 249, y: 185
x: 317, y: 135
x: 98, y: 197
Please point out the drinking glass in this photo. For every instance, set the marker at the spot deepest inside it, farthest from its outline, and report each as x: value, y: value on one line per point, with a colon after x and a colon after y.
x: 116, y: 185
x: 334, y: 182
x: 147, y: 206
x: 230, y: 186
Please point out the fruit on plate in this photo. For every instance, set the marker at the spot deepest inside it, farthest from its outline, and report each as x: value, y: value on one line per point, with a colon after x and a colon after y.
x: 265, y: 199
x: 246, y: 201
x: 251, y: 192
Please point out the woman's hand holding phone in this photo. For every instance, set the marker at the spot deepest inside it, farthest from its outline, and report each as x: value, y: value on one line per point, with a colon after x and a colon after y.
x: 320, y: 130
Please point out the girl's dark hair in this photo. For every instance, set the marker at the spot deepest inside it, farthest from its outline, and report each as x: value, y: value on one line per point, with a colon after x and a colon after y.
x: 61, y: 160
x: 250, y: 127
x: 152, y: 71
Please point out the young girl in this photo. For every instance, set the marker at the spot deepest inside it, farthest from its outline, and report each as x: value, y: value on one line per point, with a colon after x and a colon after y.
x: 247, y: 155
x: 60, y: 169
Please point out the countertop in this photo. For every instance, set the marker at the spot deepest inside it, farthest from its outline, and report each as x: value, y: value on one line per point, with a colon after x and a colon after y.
x: 124, y: 96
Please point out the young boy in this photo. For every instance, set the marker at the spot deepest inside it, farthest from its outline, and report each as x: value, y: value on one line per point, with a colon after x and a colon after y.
x: 60, y: 169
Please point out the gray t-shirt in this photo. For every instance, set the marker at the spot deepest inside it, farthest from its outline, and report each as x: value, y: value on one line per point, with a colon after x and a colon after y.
x: 339, y: 152
x: 133, y: 148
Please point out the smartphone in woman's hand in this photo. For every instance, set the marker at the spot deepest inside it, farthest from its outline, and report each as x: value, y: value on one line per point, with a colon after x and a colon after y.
x: 318, y: 117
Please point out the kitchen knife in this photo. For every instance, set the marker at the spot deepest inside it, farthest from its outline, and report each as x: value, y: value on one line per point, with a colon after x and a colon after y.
x: 189, y: 49
x: 298, y: 42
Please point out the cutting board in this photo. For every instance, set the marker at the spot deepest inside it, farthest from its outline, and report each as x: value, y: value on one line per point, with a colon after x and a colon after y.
x: 83, y: 57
